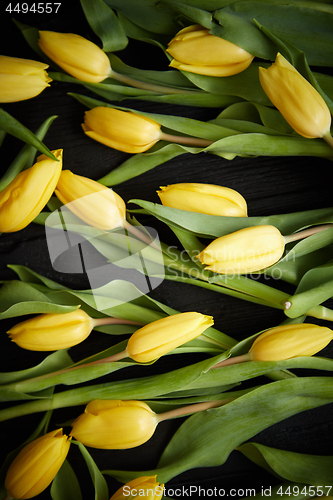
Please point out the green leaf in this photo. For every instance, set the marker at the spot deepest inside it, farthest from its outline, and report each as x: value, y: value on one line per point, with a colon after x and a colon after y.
x: 270, y: 118
x: 73, y: 373
x: 25, y: 157
x: 105, y: 24
x: 314, y: 470
x: 304, y: 27
x: 314, y: 288
x: 19, y: 299
x: 311, y: 244
x: 254, y: 144
x: 99, y: 482
x: 293, y: 270
x: 145, y: 15
x: 140, y: 163
x: 193, y: 377
x: 13, y: 127
x: 56, y: 361
x: 213, y: 226
x: 245, y: 85
x: 65, y: 486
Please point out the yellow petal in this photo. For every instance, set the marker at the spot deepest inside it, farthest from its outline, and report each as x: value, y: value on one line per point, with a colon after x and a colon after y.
x: 288, y: 341
x: 76, y: 55
x: 92, y: 202
x: 24, y: 198
x: 36, y: 465
x: 204, y: 198
x: 125, y: 131
x: 162, y: 336
x: 247, y: 250
x: 296, y: 99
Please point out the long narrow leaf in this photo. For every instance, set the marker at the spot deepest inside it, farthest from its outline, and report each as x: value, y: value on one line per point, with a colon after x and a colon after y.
x: 13, y: 127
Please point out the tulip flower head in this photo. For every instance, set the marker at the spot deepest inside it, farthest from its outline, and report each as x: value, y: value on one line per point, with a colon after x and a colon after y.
x: 76, y: 55
x: 162, y: 336
x: 37, y: 464
x: 21, y: 79
x: 289, y: 341
x: 204, y: 198
x: 248, y: 250
x: 92, y: 202
x: 122, y: 130
x: 284, y: 342
x: 296, y: 99
x: 196, y: 50
x: 50, y: 332
x: 114, y: 424
x: 141, y: 487
x: 24, y: 198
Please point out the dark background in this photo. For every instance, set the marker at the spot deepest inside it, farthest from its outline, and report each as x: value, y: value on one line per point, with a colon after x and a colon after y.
x: 270, y: 185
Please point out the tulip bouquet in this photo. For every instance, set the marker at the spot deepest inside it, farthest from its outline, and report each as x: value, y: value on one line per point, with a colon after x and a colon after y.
x: 253, y: 63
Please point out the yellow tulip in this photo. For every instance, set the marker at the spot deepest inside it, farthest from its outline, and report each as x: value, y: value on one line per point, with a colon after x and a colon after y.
x: 296, y: 99
x: 114, y: 424
x: 122, y: 130
x: 76, y: 55
x: 248, y: 250
x: 24, y: 198
x: 50, y: 332
x: 284, y: 342
x: 289, y: 341
x: 162, y: 336
x: 204, y: 198
x: 21, y: 79
x: 35, y: 467
x: 141, y: 487
x: 92, y: 202
x: 196, y: 50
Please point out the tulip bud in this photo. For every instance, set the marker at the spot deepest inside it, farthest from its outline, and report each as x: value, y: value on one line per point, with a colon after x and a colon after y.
x: 162, y: 336
x: 37, y: 464
x: 114, y: 424
x: 76, y: 55
x: 299, y: 103
x: 24, y: 198
x: 204, y: 198
x: 141, y: 487
x: 50, y: 332
x: 122, y: 130
x: 289, y: 341
x: 92, y: 202
x: 21, y: 79
x: 248, y: 250
x: 196, y: 50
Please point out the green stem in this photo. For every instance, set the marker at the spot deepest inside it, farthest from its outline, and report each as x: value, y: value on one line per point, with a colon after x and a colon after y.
x: 307, y: 232
x: 190, y: 141
x: 319, y: 312
x: 114, y: 321
x: 190, y: 409
x: 161, y: 89
x: 141, y: 235
x: 28, y: 384
x: 328, y: 138
x: 233, y: 361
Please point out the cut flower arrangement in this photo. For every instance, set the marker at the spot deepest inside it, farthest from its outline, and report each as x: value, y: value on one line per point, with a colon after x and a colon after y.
x: 155, y: 331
